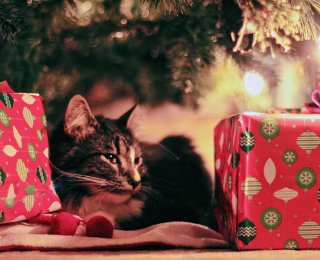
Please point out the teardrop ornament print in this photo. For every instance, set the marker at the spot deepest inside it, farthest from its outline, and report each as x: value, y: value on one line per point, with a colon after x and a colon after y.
x: 28, y: 99
x: 9, y: 150
x: 17, y: 136
x: 269, y: 171
x: 28, y: 117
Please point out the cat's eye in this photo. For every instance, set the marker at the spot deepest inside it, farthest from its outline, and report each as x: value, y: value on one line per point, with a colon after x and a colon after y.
x: 112, y: 158
x: 138, y: 160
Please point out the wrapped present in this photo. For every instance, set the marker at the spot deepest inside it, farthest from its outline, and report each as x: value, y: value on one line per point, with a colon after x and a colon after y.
x: 268, y: 180
x: 26, y: 189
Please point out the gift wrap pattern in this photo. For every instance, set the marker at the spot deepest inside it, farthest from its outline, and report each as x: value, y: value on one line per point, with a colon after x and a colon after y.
x: 26, y: 189
x: 268, y: 180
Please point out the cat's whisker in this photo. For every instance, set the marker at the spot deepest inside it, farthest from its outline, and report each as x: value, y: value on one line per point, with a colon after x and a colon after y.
x: 80, y: 177
x: 96, y: 190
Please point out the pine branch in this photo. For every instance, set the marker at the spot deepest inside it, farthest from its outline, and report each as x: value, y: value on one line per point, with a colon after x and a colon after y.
x: 281, y: 21
x: 11, y: 21
x: 308, y: 23
x: 170, y: 6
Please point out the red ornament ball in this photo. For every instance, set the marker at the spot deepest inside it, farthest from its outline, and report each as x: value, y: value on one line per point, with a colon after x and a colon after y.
x: 99, y: 226
x: 63, y: 223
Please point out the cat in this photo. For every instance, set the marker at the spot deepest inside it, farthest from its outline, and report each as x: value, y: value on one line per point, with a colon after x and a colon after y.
x: 100, y: 167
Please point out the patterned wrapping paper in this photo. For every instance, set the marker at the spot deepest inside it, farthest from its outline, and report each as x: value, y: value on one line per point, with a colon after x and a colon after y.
x: 268, y: 180
x: 26, y: 189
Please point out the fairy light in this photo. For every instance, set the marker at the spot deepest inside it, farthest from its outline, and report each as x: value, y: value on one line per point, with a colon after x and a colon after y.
x: 253, y: 83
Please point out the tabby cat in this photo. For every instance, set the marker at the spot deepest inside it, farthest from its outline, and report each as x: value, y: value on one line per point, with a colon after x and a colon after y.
x: 99, y: 167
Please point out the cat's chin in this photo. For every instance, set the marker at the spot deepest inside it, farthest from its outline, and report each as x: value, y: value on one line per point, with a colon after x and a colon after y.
x: 115, y: 198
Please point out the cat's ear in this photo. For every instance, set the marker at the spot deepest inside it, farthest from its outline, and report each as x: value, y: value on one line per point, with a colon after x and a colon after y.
x: 125, y: 119
x: 79, y: 120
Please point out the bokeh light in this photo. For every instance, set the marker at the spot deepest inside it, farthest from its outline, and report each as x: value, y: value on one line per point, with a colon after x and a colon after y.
x: 253, y: 83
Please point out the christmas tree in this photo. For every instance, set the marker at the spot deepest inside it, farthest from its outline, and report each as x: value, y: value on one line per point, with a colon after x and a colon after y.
x: 156, y: 50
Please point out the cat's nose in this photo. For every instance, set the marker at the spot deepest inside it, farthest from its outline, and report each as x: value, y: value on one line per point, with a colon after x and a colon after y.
x: 135, y: 184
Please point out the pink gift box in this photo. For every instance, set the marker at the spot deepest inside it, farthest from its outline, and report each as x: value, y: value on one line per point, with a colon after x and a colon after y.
x: 267, y: 180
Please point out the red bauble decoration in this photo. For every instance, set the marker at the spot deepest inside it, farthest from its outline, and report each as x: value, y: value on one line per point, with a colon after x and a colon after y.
x: 63, y: 223
x: 99, y: 226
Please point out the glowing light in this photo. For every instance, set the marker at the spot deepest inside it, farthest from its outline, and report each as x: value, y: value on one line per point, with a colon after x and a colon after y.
x: 318, y: 42
x: 253, y: 83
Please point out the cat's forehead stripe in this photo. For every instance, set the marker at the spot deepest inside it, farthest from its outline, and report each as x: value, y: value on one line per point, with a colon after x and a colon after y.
x: 121, y: 145
x: 117, y: 145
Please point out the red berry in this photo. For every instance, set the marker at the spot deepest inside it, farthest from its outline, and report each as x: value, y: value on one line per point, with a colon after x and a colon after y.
x: 99, y: 226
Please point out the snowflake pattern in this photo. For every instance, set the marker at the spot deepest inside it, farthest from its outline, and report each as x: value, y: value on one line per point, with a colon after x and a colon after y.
x: 306, y: 178
x: 291, y: 244
x: 289, y: 157
x: 270, y: 218
x: 269, y: 128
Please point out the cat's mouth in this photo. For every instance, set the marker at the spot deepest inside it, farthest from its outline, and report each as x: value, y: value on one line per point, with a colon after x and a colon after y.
x: 121, y: 196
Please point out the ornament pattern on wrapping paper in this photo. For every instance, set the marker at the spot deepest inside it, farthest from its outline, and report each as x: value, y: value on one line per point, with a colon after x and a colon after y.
x: 247, y: 231
x: 308, y: 141
x: 44, y: 121
x: 39, y: 135
x: 269, y: 128
x: 2, y: 216
x: 4, y: 118
x: 235, y: 159
x: 247, y: 141
x: 309, y: 230
x: 32, y: 152
x: 6, y: 99
x: 28, y: 99
x: 288, y: 160
x: 291, y: 244
x: 42, y: 176
x: 229, y: 145
x: 289, y: 157
x: 28, y: 117
x: 269, y: 171
x: 9, y: 201
x: 17, y: 136
x: 10, y: 151
x: 270, y: 218
x: 3, y: 177
x: 251, y: 186
x: 21, y: 170
x: 26, y: 187
x: 286, y: 194
x: 306, y: 178
x: 229, y: 181
x: 29, y: 199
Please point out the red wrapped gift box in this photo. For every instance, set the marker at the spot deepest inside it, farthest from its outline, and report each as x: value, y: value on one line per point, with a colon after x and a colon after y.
x: 268, y: 180
x: 26, y: 189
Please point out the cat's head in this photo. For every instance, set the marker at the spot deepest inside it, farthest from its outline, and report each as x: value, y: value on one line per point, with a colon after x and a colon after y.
x: 102, y: 153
